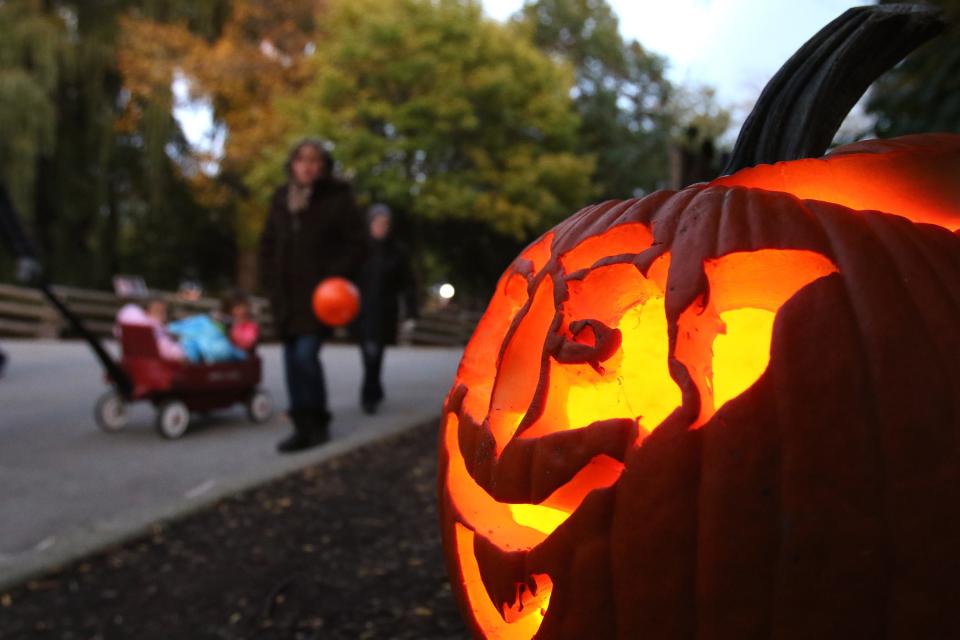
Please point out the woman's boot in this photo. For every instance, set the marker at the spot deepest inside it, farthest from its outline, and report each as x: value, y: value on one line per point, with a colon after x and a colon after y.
x: 320, y: 425
x: 303, y: 429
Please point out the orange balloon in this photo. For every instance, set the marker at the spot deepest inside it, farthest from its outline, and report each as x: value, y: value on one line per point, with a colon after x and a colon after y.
x: 336, y: 301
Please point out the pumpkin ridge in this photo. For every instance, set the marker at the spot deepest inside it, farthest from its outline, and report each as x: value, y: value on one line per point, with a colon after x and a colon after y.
x: 872, y: 386
x: 942, y: 291
x: 779, y: 481
x: 924, y: 347
x: 923, y: 242
x: 571, y: 229
x: 808, y: 520
x: 778, y: 573
x: 930, y: 143
x: 881, y: 228
x: 901, y: 177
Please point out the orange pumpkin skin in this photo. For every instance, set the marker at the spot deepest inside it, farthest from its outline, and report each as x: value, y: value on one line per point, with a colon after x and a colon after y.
x: 610, y: 468
x: 336, y: 301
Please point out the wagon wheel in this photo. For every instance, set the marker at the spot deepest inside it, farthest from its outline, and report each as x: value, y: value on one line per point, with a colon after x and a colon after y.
x: 110, y: 412
x: 173, y: 418
x: 260, y: 406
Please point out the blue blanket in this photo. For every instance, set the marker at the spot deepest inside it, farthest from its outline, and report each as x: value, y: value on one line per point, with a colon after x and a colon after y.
x: 203, y: 340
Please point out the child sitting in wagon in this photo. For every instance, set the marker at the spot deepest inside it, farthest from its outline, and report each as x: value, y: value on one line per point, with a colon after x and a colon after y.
x: 154, y: 315
x: 195, y: 339
x: 236, y: 314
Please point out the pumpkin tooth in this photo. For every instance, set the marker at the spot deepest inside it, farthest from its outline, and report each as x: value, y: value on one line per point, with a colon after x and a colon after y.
x: 518, y: 621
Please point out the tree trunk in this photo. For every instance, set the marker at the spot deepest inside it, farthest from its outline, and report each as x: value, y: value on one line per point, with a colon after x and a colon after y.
x: 110, y: 265
x: 40, y: 225
x: 247, y: 273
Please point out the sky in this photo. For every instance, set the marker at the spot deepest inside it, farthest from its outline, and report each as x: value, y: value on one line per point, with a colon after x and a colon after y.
x: 732, y: 45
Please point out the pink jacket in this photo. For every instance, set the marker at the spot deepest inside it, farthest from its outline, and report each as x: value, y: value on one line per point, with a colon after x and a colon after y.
x: 169, y: 348
x: 245, y: 334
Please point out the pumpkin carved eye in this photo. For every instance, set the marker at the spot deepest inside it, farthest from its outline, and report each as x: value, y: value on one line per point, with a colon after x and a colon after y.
x: 629, y: 376
x: 724, y: 338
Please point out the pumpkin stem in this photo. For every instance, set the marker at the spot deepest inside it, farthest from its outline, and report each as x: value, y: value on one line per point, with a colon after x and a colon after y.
x: 801, y: 108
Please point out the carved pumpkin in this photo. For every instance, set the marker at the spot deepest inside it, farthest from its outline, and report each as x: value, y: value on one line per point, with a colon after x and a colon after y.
x: 336, y: 301
x: 730, y: 411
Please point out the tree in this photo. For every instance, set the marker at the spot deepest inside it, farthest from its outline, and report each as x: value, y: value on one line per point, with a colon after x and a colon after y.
x: 630, y: 112
x: 256, y: 56
x: 86, y: 185
x: 30, y: 70
x: 451, y: 118
x: 697, y: 108
x: 621, y: 92
x: 922, y: 93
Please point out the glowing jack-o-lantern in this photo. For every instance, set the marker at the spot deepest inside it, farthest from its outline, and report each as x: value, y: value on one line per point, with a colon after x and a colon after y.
x: 731, y: 411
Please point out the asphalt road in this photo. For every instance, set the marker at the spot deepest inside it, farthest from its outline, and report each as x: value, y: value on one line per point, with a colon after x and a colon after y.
x: 67, y: 488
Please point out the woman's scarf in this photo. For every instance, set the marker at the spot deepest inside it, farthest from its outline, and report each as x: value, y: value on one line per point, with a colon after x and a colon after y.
x: 298, y: 197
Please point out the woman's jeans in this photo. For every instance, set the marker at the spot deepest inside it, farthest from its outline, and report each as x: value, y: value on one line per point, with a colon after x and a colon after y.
x: 305, y: 384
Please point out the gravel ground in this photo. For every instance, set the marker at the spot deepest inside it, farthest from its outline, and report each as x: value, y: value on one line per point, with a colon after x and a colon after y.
x: 346, y: 549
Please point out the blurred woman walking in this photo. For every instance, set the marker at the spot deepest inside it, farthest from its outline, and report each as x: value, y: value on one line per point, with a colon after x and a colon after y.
x: 314, y: 230
x: 385, y: 279
x: 12, y: 236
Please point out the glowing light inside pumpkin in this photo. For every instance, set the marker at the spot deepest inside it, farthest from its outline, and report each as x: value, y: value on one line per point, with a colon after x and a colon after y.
x: 635, y: 382
x: 518, y: 376
x: 640, y: 386
x: 543, y: 519
x: 478, y: 367
x: 726, y: 345
x: 620, y: 240
x: 476, y: 507
x: 741, y: 353
x: 511, y: 527
x: 601, y: 472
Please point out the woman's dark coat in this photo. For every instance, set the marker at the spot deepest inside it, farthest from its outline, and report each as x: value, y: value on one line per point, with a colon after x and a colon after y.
x: 298, y: 250
x: 385, y: 279
x: 11, y: 233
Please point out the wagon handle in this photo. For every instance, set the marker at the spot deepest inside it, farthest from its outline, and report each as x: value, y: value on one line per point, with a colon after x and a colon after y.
x: 121, y: 381
x: 12, y: 232
x: 801, y: 108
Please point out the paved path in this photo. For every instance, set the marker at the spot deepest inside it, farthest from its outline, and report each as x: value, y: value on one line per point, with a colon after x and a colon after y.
x: 67, y: 488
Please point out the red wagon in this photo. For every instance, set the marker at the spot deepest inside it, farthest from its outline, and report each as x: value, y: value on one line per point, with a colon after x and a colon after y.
x: 178, y: 388
x: 174, y: 388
